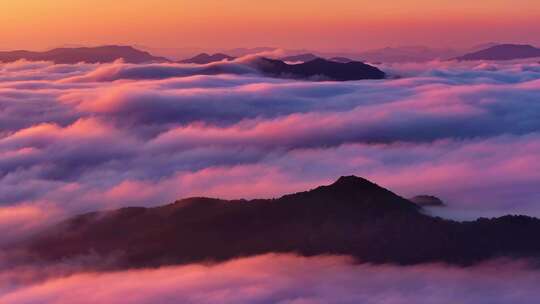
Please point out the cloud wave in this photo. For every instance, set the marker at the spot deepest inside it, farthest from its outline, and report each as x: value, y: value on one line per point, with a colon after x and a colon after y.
x: 84, y: 137
x: 290, y: 279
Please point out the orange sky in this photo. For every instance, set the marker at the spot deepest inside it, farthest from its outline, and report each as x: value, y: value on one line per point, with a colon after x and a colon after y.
x: 319, y: 24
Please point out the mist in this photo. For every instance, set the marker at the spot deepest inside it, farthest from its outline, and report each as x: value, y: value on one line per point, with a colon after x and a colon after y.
x: 288, y: 279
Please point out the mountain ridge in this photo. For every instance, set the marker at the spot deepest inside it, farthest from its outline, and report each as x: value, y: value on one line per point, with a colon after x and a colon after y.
x: 100, y: 54
x: 204, y: 58
x: 503, y: 52
x: 319, y: 69
x: 352, y: 216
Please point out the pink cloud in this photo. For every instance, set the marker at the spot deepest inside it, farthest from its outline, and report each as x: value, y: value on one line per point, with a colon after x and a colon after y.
x: 465, y: 132
x: 21, y: 221
x: 290, y: 279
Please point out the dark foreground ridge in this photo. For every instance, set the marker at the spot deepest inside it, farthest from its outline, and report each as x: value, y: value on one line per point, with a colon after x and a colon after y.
x: 101, y: 54
x: 350, y: 217
x: 319, y: 69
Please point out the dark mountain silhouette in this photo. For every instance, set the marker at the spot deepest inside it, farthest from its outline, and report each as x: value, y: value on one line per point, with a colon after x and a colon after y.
x: 204, y: 58
x: 300, y: 58
x: 503, y: 52
x: 427, y: 201
x: 100, y: 54
x: 310, y: 57
x: 350, y: 217
x: 319, y: 69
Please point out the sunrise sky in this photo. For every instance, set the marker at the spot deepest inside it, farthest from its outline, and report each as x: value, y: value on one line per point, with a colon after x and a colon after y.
x: 424, y: 163
x: 321, y: 24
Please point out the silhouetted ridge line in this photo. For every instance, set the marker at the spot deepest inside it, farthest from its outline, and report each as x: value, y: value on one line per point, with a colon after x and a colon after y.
x: 101, y: 54
x: 352, y: 216
x: 319, y: 69
x: 204, y: 58
x: 503, y: 52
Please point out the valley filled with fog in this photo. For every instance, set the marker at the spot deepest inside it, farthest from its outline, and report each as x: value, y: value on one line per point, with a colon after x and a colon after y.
x: 77, y: 138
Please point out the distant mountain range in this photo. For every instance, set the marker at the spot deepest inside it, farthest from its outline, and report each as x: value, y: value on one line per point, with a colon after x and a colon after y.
x: 349, y: 217
x: 310, y: 57
x: 314, y: 69
x: 407, y: 54
x: 319, y: 69
x: 388, y: 55
x: 205, y: 58
x: 503, y: 52
x: 102, y: 54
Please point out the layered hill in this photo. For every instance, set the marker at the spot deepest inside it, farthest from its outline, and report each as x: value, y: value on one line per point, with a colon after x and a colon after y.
x: 205, y: 58
x: 102, y: 54
x: 350, y: 217
x: 319, y: 69
x: 503, y: 52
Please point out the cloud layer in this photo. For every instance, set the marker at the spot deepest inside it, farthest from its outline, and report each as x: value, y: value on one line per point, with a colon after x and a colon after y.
x: 76, y: 138
x: 290, y: 279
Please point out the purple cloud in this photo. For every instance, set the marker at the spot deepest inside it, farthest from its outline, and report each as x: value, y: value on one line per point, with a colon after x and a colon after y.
x: 86, y: 137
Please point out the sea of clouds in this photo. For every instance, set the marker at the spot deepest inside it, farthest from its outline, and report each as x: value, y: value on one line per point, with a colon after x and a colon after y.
x: 78, y: 138
x: 286, y: 279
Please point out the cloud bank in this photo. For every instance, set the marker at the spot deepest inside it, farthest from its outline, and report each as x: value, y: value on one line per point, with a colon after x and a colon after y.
x: 290, y: 279
x: 76, y: 138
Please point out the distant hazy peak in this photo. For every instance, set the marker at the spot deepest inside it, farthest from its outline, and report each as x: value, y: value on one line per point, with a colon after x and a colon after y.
x: 503, y: 52
x: 100, y: 54
x: 205, y: 58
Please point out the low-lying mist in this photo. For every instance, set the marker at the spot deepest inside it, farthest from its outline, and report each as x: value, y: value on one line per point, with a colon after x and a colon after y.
x: 78, y: 138
x: 281, y: 279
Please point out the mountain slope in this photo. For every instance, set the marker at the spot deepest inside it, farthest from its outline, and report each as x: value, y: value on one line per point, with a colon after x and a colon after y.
x: 503, y: 52
x: 319, y: 69
x: 102, y: 54
x: 350, y: 217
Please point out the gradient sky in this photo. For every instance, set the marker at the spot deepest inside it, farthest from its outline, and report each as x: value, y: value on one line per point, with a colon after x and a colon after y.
x: 321, y: 24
